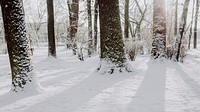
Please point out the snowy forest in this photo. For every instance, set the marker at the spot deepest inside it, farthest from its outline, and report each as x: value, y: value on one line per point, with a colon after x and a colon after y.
x: 99, y: 56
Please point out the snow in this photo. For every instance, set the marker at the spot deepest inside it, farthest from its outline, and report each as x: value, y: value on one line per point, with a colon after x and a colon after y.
x: 69, y: 85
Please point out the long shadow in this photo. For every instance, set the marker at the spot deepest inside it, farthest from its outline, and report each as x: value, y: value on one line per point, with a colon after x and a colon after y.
x: 188, y: 80
x: 17, y: 97
x: 11, y: 97
x: 56, y: 77
x: 72, y: 98
x: 151, y: 94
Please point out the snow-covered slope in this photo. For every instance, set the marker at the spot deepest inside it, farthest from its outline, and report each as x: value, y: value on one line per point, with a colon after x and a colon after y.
x: 69, y: 85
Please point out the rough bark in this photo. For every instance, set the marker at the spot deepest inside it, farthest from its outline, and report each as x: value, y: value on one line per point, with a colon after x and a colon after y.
x: 111, y: 41
x: 73, y: 6
x: 90, y: 39
x: 17, y: 44
x: 159, y: 29
x: 51, y: 32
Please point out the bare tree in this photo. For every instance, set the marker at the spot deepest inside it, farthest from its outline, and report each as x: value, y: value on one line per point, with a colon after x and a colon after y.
x: 51, y: 32
x: 196, y: 23
x: 178, y: 43
x: 126, y: 24
x: 90, y: 39
x: 95, y: 24
x: 36, y: 18
x: 142, y: 17
x: 191, y: 25
x: 176, y: 18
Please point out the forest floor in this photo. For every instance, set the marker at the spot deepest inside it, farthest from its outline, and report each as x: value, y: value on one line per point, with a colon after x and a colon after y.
x: 70, y: 85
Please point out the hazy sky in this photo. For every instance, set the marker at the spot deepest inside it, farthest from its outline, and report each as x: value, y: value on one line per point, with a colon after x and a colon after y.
x: 169, y: 5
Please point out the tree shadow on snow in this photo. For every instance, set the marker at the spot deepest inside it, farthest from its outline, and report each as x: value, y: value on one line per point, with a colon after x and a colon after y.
x: 188, y: 80
x: 12, y: 97
x: 71, y: 99
x: 150, y: 97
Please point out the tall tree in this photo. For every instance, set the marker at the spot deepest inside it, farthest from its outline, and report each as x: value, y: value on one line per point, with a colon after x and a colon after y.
x: 51, y: 32
x: 126, y: 17
x: 191, y: 26
x: 182, y: 25
x: 95, y: 24
x: 176, y: 18
x: 73, y: 6
x: 159, y: 29
x: 17, y: 44
x: 112, y: 47
x: 90, y: 39
x: 196, y: 23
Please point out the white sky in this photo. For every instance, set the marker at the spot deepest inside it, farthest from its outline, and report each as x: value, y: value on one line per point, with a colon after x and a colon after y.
x: 168, y: 4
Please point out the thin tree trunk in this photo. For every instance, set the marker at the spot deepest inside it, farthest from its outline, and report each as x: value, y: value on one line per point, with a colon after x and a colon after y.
x: 95, y: 24
x: 126, y: 24
x: 131, y: 30
x: 51, y: 32
x: 176, y: 18
x: 181, y: 31
x: 17, y: 44
x: 191, y: 26
x: 90, y: 39
x: 196, y: 23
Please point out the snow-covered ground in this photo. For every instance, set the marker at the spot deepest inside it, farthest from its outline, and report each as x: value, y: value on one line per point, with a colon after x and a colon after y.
x: 70, y: 85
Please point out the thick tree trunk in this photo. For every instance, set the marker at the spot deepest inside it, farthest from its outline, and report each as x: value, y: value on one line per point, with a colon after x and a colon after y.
x: 159, y: 30
x: 51, y: 32
x: 179, y: 38
x: 196, y: 23
x: 73, y: 6
x: 112, y: 47
x: 17, y: 44
x: 90, y: 39
x: 95, y: 24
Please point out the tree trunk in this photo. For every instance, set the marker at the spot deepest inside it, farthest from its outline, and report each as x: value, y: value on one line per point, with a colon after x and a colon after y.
x: 159, y: 30
x: 176, y: 18
x: 73, y: 6
x: 17, y: 44
x: 90, y: 39
x: 196, y: 23
x: 95, y: 24
x: 179, y: 38
x: 51, y: 32
x: 126, y: 24
x: 112, y: 47
x: 191, y: 26
x: 131, y: 30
